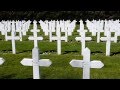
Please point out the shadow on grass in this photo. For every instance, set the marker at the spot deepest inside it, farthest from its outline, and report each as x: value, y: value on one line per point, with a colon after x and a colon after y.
x: 48, y: 51
x: 23, y: 51
x: 6, y: 51
x: 114, y: 53
x: 66, y: 52
x: 29, y: 78
x: 96, y: 52
x: 8, y: 76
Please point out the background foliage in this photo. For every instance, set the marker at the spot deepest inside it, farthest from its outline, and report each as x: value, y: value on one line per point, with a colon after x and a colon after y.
x: 57, y: 15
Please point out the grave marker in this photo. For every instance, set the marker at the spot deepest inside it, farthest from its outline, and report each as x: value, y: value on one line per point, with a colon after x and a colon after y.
x: 86, y: 64
x: 36, y: 62
x: 83, y: 38
x: 34, y: 37
x: 108, y: 40
x: 58, y: 38
x: 13, y: 38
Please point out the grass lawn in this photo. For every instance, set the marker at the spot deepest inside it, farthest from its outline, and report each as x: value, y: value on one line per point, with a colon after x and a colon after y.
x: 60, y: 68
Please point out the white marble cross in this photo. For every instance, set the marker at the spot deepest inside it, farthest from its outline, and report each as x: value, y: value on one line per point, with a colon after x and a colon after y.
x: 25, y: 26
x: 70, y: 26
x: 9, y: 28
x: 50, y: 31
x: 83, y: 38
x: 86, y: 64
x: 116, y: 34
x: 58, y: 38
x: 44, y: 25
x: 4, y: 28
x: 35, y: 37
x: 18, y: 29
x: 63, y: 29
x: 99, y: 29
x: 13, y: 38
x: 92, y: 27
x: 36, y: 62
x: 81, y: 27
x: 116, y: 30
x: 108, y: 40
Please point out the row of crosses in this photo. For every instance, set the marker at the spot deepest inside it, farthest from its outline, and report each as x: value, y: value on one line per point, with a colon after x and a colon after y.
x: 59, y: 38
x: 60, y: 26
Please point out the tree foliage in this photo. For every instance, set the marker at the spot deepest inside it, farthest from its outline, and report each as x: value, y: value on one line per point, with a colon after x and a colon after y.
x: 58, y: 15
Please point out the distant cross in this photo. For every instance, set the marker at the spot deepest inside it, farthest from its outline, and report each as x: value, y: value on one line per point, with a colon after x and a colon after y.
x: 36, y: 62
x: 9, y: 26
x: 58, y: 38
x: 63, y: 29
x: 83, y: 38
x: 34, y: 37
x: 5, y: 30
x: 50, y: 31
x: 23, y: 28
x: 13, y: 38
x: 18, y: 29
x: 44, y: 26
x: 99, y: 28
x: 108, y: 40
x: 117, y: 33
x: 86, y: 64
x: 81, y: 27
x: 45, y: 29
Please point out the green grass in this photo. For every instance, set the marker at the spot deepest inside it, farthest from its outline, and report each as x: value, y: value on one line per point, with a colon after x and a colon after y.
x: 60, y: 68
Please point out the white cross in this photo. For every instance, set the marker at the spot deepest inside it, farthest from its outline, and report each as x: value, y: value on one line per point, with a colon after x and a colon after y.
x: 83, y: 39
x: 13, y: 38
x: 86, y: 64
x: 36, y: 62
x: 81, y: 25
x: 8, y: 29
x: 5, y: 30
x: 18, y: 29
x: 2, y: 27
x: 92, y: 27
x: 98, y: 36
x: 23, y: 28
x: 116, y: 34
x: 34, y: 37
x: 44, y: 26
x: 51, y: 28
x: 108, y: 40
x: 58, y: 38
x: 116, y: 31
x: 63, y: 29
x: 99, y: 29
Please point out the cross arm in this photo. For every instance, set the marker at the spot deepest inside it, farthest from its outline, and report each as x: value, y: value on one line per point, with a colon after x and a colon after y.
x: 78, y: 38
x: 76, y: 63
x: 42, y: 62
x: 33, y: 38
x: 96, y: 64
x: 10, y: 38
